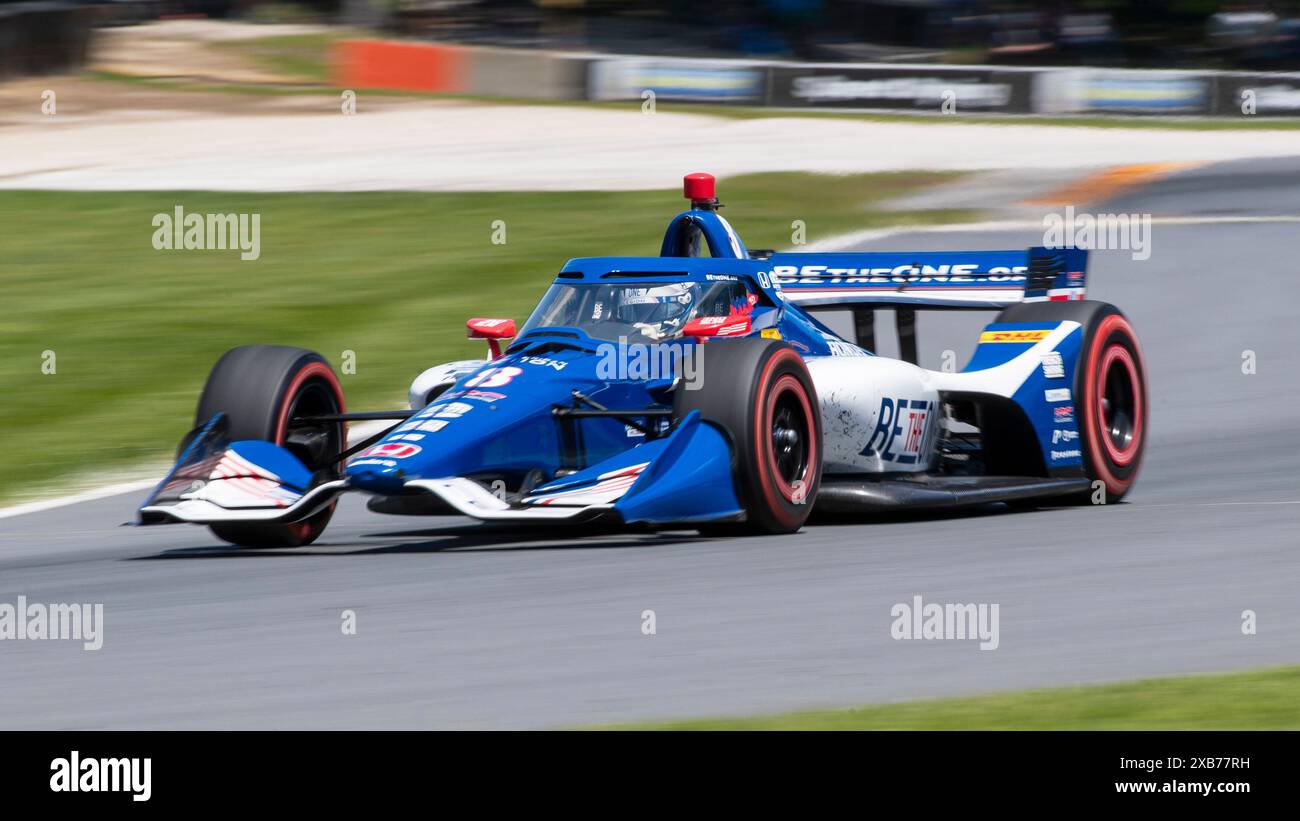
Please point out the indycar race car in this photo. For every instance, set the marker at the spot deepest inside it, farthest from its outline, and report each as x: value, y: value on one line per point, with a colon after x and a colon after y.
x: 695, y: 389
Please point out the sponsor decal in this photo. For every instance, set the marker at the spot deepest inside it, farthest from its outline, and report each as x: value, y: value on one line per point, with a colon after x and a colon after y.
x: 427, y: 425
x: 608, y: 487
x: 730, y: 325
x: 1058, y: 455
x: 545, y: 362
x: 387, y: 463
x: 493, y: 377
x: 1057, y: 394
x: 1059, y: 435
x: 903, y: 431
x: 484, y: 396
x: 1053, y: 365
x: 1021, y: 337
x: 1063, y: 414
x: 966, y: 273
x: 721, y: 277
x: 1062, y: 294
x: 839, y: 347
x: 770, y: 333
x: 451, y: 410
x: 732, y: 238
x: 392, y: 450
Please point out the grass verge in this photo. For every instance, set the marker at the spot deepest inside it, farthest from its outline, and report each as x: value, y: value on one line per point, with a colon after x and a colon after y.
x: 301, y: 58
x: 1256, y: 700
x: 390, y: 276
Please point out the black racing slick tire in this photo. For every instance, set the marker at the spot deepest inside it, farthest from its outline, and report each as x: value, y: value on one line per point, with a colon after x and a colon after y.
x: 262, y: 389
x: 1109, y: 391
x: 759, y: 392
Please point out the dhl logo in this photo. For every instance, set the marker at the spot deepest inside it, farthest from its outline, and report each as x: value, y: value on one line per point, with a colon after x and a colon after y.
x: 1014, y: 336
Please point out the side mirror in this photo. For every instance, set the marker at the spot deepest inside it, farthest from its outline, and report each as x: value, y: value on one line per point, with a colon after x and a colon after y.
x: 707, y: 326
x: 493, y: 330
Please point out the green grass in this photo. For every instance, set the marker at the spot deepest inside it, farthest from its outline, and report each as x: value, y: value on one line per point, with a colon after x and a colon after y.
x: 1257, y: 700
x: 300, y: 58
x: 391, y: 276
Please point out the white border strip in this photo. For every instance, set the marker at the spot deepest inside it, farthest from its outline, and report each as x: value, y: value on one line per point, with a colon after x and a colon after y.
x: 88, y: 496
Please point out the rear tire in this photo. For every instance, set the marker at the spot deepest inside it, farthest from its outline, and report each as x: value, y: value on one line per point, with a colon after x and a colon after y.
x: 261, y: 388
x: 1110, y: 393
x: 760, y: 393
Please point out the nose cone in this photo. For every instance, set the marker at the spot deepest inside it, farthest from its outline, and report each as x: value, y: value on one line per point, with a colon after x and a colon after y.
x: 376, y: 478
x: 415, y: 449
x: 454, y: 435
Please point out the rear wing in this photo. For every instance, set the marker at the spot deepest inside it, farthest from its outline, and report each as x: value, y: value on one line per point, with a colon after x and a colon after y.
x: 980, y: 280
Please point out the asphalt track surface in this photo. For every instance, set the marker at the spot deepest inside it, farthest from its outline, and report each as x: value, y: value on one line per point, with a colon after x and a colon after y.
x: 461, y: 625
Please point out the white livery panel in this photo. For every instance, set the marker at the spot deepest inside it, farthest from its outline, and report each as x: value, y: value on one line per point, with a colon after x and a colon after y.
x: 878, y: 415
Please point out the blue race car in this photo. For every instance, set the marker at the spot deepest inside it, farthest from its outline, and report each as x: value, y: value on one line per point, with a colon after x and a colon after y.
x: 695, y: 389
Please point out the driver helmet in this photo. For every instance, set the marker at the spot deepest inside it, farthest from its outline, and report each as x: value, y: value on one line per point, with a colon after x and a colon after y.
x: 657, y: 310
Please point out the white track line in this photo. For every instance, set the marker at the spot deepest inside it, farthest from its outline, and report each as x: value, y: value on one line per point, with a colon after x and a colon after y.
x: 87, y: 496
x: 356, y: 433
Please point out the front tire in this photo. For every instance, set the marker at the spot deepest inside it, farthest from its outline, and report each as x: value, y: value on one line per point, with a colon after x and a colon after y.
x: 261, y: 389
x: 760, y: 393
x: 1110, y: 389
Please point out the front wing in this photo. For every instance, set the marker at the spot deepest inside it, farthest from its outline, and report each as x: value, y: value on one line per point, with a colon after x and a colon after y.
x: 683, y: 477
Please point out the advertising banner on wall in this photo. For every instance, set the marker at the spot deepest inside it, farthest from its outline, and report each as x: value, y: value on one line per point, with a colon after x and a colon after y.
x: 1264, y: 95
x: 701, y: 80
x: 920, y: 88
x: 1109, y: 91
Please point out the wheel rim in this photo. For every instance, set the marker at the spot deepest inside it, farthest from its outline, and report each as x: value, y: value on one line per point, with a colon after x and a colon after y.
x: 1119, y: 404
x: 789, y: 435
x: 315, y: 444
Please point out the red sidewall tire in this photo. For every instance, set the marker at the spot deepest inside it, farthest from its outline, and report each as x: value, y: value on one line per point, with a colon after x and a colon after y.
x: 258, y: 387
x: 785, y: 500
x: 1112, y: 350
x: 748, y: 384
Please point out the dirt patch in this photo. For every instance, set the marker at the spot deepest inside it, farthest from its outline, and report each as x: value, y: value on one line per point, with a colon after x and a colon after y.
x: 191, y: 50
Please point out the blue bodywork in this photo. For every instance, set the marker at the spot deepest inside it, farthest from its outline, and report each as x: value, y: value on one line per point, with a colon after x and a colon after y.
x: 499, y: 423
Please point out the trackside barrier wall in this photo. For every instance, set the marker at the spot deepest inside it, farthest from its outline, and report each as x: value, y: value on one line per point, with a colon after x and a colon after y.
x: 44, y: 37
x: 501, y: 72
x: 454, y: 69
x: 52, y: 36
